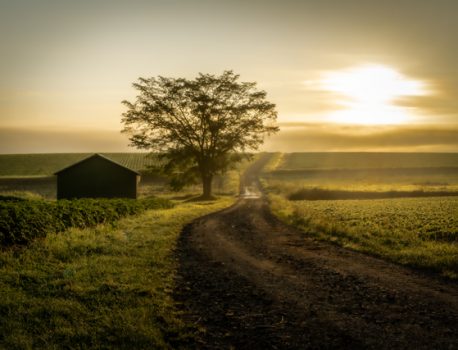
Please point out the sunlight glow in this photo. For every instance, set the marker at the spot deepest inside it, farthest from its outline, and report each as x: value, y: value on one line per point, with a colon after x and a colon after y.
x: 368, y: 95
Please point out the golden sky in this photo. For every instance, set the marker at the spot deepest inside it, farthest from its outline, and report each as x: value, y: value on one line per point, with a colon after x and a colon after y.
x: 345, y: 74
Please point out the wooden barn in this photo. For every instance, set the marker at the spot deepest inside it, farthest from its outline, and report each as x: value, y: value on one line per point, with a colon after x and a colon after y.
x: 97, y: 177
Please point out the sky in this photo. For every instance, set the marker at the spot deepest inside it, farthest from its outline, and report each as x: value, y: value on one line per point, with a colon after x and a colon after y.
x: 346, y: 75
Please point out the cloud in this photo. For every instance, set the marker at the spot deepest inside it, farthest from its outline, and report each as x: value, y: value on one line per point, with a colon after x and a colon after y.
x: 308, y: 137
x: 20, y: 140
x: 293, y: 137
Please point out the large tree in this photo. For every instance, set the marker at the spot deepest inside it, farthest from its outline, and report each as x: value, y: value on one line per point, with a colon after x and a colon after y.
x: 201, y: 126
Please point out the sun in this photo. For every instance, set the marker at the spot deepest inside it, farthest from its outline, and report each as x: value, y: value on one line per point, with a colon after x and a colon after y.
x: 367, y: 95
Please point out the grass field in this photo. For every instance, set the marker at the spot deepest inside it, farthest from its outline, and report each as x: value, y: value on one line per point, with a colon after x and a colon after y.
x: 363, y: 171
x: 419, y: 232
x: 357, y: 160
x: 100, y: 288
x: 25, y: 165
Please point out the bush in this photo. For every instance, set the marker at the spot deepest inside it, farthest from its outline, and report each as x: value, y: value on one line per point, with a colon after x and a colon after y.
x: 24, y: 220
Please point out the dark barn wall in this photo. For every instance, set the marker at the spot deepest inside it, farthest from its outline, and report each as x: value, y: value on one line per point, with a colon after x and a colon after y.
x: 96, y: 178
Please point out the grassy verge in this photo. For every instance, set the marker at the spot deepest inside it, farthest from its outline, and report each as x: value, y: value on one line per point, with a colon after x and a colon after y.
x: 418, y: 232
x: 101, y: 288
x: 24, y: 220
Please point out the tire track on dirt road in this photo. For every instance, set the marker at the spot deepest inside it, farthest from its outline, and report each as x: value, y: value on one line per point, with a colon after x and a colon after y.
x: 255, y: 283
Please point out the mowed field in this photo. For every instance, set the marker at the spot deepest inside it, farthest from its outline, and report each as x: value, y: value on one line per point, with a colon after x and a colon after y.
x: 420, y: 231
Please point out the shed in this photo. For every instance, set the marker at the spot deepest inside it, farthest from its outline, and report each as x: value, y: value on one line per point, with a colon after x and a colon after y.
x: 97, y: 177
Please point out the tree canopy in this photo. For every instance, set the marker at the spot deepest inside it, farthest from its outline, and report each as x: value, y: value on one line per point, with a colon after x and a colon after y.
x: 201, y: 126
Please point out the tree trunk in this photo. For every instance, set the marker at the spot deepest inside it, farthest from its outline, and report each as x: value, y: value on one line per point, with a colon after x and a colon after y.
x: 207, y: 186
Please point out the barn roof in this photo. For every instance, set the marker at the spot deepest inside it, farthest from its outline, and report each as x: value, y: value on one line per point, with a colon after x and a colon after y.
x: 96, y: 155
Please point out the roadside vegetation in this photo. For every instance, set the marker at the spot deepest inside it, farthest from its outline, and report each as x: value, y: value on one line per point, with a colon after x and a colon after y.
x: 418, y: 232
x: 95, y: 273
x: 103, y: 287
x: 23, y: 220
x: 369, y: 210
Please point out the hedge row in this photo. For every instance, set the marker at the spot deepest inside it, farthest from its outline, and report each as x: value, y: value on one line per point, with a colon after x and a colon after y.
x: 22, y: 221
x: 324, y: 194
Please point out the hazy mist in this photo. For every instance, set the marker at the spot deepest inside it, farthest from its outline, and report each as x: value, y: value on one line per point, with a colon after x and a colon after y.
x: 66, y: 66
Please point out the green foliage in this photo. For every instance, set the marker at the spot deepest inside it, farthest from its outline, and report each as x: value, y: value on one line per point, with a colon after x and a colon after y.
x: 98, y: 288
x: 180, y: 169
x: 23, y: 220
x: 201, y: 125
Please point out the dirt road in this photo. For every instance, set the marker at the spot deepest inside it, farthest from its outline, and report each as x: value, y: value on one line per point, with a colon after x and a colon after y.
x: 254, y: 283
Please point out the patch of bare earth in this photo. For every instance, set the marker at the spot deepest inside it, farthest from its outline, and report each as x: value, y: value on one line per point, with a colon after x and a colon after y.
x: 254, y: 283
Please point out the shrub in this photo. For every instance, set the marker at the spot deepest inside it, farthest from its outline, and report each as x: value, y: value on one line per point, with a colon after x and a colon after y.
x: 24, y: 220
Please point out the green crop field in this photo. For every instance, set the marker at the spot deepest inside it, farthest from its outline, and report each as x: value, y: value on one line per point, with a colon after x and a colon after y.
x: 13, y: 165
x: 363, y: 171
x: 419, y: 232
x: 22, y: 221
x: 363, y: 160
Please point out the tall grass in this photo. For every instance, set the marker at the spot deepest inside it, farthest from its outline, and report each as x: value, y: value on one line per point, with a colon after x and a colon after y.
x: 101, y: 288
